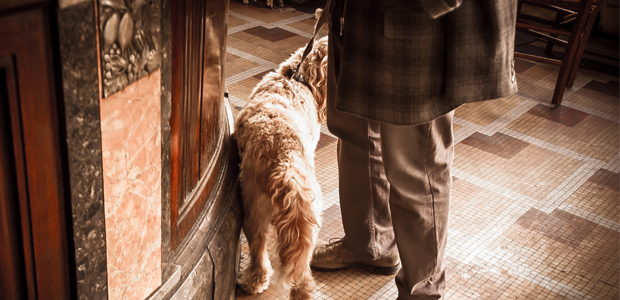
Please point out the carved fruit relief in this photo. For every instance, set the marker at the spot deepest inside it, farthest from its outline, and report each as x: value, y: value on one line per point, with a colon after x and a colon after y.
x: 131, y: 41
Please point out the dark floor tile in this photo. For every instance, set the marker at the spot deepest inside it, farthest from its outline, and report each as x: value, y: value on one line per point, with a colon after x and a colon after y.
x: 611, y: 88
x: 498, y: 144
x: 559, y: 225
x: 606, y: 178
x: 560, y: 114
x: 273, y: 35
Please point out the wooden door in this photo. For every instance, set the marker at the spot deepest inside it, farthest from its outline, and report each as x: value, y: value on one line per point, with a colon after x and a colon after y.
x: 12, y: 249
x: 198, y: 47
x: 34, y: 258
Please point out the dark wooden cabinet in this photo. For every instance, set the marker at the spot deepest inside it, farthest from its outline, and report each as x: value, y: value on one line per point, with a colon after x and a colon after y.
x: 34, y: 258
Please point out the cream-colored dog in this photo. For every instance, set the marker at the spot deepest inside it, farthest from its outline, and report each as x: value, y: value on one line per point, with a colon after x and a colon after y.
x: 277, y: 133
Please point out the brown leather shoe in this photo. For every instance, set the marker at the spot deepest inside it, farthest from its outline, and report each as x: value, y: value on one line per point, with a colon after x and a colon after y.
x: 335, y: 256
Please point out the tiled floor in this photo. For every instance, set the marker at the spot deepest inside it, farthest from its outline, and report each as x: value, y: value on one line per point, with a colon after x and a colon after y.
x: 535, y: 209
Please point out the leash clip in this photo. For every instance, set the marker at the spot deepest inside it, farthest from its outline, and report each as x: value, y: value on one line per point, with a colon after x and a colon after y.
x: 290, y: 73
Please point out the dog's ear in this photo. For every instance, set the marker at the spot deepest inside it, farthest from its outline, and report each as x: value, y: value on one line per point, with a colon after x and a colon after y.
x: 321, y: 98
x: 315, y: 73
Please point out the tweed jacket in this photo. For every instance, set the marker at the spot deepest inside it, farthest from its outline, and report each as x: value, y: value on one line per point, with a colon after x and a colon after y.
x: 406, y: 62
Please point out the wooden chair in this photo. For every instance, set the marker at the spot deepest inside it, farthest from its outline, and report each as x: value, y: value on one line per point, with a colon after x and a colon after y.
x: 581, y: 13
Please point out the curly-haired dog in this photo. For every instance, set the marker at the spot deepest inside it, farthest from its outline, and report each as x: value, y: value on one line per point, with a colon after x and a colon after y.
x: 277, y: 133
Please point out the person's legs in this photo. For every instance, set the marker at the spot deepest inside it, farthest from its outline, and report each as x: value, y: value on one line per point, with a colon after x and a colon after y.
x: 363, y: 186
x: 417, y: 161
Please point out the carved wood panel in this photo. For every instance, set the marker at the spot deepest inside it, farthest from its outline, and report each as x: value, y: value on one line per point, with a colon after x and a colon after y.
x: 130, y: 33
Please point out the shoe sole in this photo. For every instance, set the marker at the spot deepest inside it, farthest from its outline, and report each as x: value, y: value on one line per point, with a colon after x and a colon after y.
x: 372, y: 269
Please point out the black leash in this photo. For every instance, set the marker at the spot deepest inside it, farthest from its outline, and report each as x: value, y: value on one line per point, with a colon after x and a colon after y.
x: 317, y: 26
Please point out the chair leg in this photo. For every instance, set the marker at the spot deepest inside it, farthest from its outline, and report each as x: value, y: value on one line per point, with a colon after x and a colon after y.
x: 582, y: 47
x: 560, y: 86
x: 565, y: 69
x: 556, y: 25
x: 571, y: 49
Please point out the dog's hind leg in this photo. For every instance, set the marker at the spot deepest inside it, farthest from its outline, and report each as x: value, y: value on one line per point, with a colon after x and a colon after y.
x: 296, y: 226
x: 295, y: 273
x: 254, y: 279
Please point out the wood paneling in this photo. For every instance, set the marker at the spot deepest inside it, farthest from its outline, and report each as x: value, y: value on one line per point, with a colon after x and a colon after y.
x: 25, y: 45
x: 12, y: 250
x: 198, y: 47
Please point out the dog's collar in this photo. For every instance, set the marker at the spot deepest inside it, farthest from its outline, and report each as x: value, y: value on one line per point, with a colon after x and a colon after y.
x: 290, y: 73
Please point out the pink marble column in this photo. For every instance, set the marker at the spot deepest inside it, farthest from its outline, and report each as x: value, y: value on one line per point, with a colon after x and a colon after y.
x: 131, y: 147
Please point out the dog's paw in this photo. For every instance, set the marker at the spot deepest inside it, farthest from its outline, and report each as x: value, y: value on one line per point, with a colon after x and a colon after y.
x: 254, y: 281
x: 246, y: 1
x: 302, y: 293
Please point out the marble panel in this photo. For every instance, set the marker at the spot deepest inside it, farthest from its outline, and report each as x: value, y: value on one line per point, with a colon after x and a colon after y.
x: 80, y: 86
x: 131, y: 149
x: 166, y: 111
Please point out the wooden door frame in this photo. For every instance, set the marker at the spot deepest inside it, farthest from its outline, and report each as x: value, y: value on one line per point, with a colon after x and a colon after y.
x: 38, y: 153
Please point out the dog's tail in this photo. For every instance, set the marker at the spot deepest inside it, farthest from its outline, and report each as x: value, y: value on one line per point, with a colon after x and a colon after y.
x: 295, y: 222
